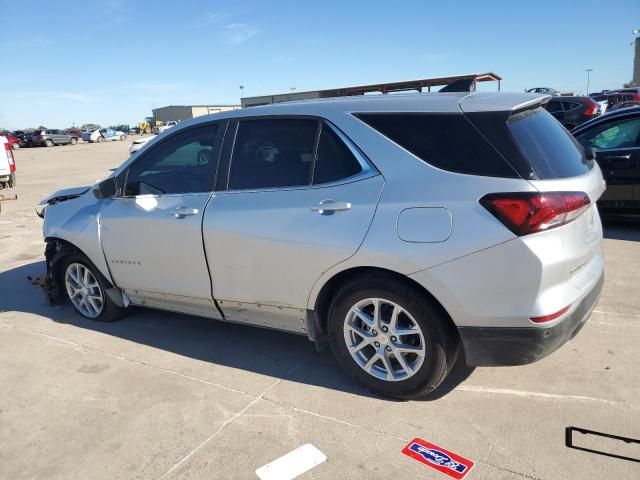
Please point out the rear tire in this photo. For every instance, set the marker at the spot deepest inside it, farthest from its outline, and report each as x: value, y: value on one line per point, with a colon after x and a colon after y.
x: 73, y: 141
x: 12, y: 180
x: 85, y: 288
x: 15, y: 146
x: 392, y: 362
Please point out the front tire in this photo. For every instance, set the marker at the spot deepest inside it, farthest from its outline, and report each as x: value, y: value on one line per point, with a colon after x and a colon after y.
x: 390, y: 337
x: 86, y: 288
x: 73, y: 141
x: 15, y: 146
x: 49, y: 143
x: 100, y: 140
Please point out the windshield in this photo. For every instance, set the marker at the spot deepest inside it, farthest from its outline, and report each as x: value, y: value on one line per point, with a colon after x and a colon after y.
x: 549, y: 148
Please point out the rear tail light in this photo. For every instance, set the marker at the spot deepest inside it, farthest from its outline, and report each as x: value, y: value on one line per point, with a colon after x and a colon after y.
x: 526, y: 212
x: 592, y: 108
x: 552, y: 317
x: 9, y: 152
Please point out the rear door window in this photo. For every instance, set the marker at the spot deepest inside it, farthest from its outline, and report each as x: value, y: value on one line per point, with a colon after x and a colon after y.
x: 446, y: 141
x: 548, y: 147
x: 335, y: 160
x: 271, y: 153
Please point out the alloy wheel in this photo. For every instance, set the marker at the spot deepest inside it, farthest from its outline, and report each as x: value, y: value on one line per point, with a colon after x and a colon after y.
x: 384, y: 339
x: 84, y: 290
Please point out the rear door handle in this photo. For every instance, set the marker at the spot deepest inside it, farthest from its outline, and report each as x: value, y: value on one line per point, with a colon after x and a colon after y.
x: 618, y: 157
x: 181, y: 212
x: 327, y: 207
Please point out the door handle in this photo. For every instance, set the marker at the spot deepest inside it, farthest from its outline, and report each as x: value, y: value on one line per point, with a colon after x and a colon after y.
x: 618, y: 157
x: 181, y: 212
x: 327, y: 207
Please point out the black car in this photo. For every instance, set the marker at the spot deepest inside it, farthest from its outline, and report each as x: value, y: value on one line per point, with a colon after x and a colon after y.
x: 615, y: 138
x: 572, y: 111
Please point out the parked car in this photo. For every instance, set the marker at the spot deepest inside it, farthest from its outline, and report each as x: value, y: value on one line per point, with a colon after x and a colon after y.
x: 21, y: 136
x: 7, y: 164
x: 14, y: 142
x: 103, y: 135
x: 158, y: 129
x: 544, y: 91
x: 50, y: 137
x: 615, y: 138
x: 621, y: 105
x: 139, y: 143
x: 572, y: 111
x: 397, y: 228
x: 74, y: 133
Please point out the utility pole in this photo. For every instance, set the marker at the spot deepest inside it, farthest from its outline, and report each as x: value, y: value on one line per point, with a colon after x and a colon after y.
x: 588, y: 70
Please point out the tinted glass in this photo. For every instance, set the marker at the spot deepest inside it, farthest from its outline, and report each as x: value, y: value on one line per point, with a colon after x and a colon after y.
x: 570, y: 105
x: 549, y: 148
x: 273, y: 153
x: 447, y: 141
x: 617, y: 134
x: 183, y: 163
x: 553, y: 106
x: 335, y: 161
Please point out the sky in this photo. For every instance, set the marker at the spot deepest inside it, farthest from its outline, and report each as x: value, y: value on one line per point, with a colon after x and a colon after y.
x: 112, y: 61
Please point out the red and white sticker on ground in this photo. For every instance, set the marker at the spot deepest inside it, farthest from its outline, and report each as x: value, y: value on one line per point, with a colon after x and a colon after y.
x: 439, y: 458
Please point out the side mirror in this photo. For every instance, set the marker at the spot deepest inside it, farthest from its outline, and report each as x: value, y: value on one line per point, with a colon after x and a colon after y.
x: 105, y: 189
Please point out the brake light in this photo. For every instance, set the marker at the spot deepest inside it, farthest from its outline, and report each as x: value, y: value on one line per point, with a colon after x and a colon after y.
x: 9, y: 152
x: 526, y: 212
x: 552, y: 317
x: 591, y: 109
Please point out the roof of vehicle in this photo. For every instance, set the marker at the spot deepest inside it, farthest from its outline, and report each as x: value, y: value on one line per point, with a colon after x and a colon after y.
x: 405, y: 102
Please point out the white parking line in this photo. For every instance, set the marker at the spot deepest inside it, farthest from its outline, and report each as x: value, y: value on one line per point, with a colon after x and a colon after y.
x: 292, y: 464
x: 524, y: 393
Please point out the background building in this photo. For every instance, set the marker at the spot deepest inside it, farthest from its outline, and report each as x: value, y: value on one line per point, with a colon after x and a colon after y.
x: 405, y: 86
x: 185, y: 112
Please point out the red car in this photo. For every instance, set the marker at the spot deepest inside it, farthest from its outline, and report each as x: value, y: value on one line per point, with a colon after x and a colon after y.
x: 74, y: 133
x: 14, y: 142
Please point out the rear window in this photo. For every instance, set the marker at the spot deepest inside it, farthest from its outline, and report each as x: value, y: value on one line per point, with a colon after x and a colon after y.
x: 446, y: 141
x: 548, y: 147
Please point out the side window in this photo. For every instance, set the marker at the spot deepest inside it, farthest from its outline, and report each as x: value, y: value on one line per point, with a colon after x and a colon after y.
x: 335, y: 161
x: 184, y: 163
x: 272, y: 153
x: 620, y: 134
x: 553, y: 107
x: 446, y: 141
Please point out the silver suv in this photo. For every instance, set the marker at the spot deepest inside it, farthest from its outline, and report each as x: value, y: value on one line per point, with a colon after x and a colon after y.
x: 398, y: 229
x: 50, y: 137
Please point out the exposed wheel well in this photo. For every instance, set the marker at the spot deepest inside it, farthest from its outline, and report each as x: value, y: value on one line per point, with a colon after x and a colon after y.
x: 323, y: 301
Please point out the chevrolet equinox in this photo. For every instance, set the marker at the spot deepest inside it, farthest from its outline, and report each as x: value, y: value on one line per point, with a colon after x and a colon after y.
x: 398, y: 229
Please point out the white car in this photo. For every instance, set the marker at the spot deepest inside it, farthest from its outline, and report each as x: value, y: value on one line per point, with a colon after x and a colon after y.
x: 157, y: 130
x: 7, y: 164
x: 139, y: 143
x: 103, y: 135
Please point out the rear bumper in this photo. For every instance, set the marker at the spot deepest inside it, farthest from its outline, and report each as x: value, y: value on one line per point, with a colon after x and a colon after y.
x: 496, y: 346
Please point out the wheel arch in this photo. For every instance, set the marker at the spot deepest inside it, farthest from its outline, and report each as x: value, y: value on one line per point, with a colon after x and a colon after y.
x: 326, y: 293
x: 57, y: 249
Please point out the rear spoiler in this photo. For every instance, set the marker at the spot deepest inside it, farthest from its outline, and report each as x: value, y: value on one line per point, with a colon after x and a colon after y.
x: 501, y: 102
